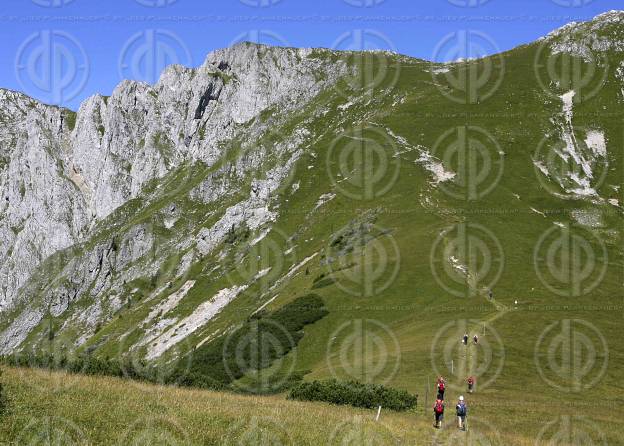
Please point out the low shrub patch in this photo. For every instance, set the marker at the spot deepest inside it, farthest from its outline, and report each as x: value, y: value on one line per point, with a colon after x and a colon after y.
x: 256, y: 345
x: 355, y: 394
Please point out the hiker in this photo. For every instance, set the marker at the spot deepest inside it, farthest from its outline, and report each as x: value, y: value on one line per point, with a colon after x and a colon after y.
x: 462, y: 412
x: 440, y: 387
x: 438, y: 411
x: 465, y: 339
x: 475, y: 339
x: 490, y: 294
x: 471, y: 382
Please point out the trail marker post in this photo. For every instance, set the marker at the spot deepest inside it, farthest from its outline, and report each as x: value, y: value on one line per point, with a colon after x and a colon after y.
x: 426, y: 396
x: 378, y: 413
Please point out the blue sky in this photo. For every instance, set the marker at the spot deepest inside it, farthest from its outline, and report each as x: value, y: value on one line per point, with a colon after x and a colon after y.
x: 62, y: 51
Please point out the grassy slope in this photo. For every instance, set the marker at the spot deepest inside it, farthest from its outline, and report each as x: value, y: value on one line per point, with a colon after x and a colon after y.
x: 415, y: 307
x: 78, y: 410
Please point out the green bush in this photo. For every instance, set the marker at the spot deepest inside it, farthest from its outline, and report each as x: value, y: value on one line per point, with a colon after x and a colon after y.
x: 222, y: 362
x: 215, y: 365
x: 354, y: 394
x: 85, y: 364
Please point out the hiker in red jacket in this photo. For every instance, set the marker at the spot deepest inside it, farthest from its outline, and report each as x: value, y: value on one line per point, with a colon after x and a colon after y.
x: 471, y: 381
x: 441, y: 386
x: 438, y: 411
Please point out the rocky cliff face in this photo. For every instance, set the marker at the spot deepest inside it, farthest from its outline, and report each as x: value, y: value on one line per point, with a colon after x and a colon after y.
x: 132, y: 225
x: 585, y: 39
x: 59, y: 178
x: 42, y: 209
x: 62, y: 174
x: 141, y: 132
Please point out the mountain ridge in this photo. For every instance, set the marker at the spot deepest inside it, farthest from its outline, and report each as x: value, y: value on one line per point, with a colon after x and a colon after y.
x: 223, y: 192
x: 612, y: 16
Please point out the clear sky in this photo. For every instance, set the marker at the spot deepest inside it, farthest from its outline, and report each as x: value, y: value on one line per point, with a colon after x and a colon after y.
x: 62, y: 51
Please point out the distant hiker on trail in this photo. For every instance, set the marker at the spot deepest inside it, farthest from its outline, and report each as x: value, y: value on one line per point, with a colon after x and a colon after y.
x: 490, y: 295
x: 440, y: 387
x: 465, y: 339
x: 476, y: 339
x: 462, y: 413
x: 438, y: 412
x: 471, y: 381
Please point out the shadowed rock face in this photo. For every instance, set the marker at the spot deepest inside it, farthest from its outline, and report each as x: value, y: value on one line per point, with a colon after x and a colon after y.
x: 57, y: 182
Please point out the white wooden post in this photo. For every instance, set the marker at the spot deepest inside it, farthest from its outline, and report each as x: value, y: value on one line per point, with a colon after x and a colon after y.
x: 426, y: 396
x: 378, y: 413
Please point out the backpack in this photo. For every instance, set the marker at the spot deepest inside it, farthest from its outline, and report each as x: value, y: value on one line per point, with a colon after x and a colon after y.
x: 441, y: 387
x: 439, y: 408
x: 461, y: 409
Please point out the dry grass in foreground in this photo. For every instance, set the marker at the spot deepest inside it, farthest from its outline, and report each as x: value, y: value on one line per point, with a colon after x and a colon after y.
x: 55, y: 408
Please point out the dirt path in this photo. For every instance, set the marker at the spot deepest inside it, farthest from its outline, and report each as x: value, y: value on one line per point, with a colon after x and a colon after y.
x: 472, y: 359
